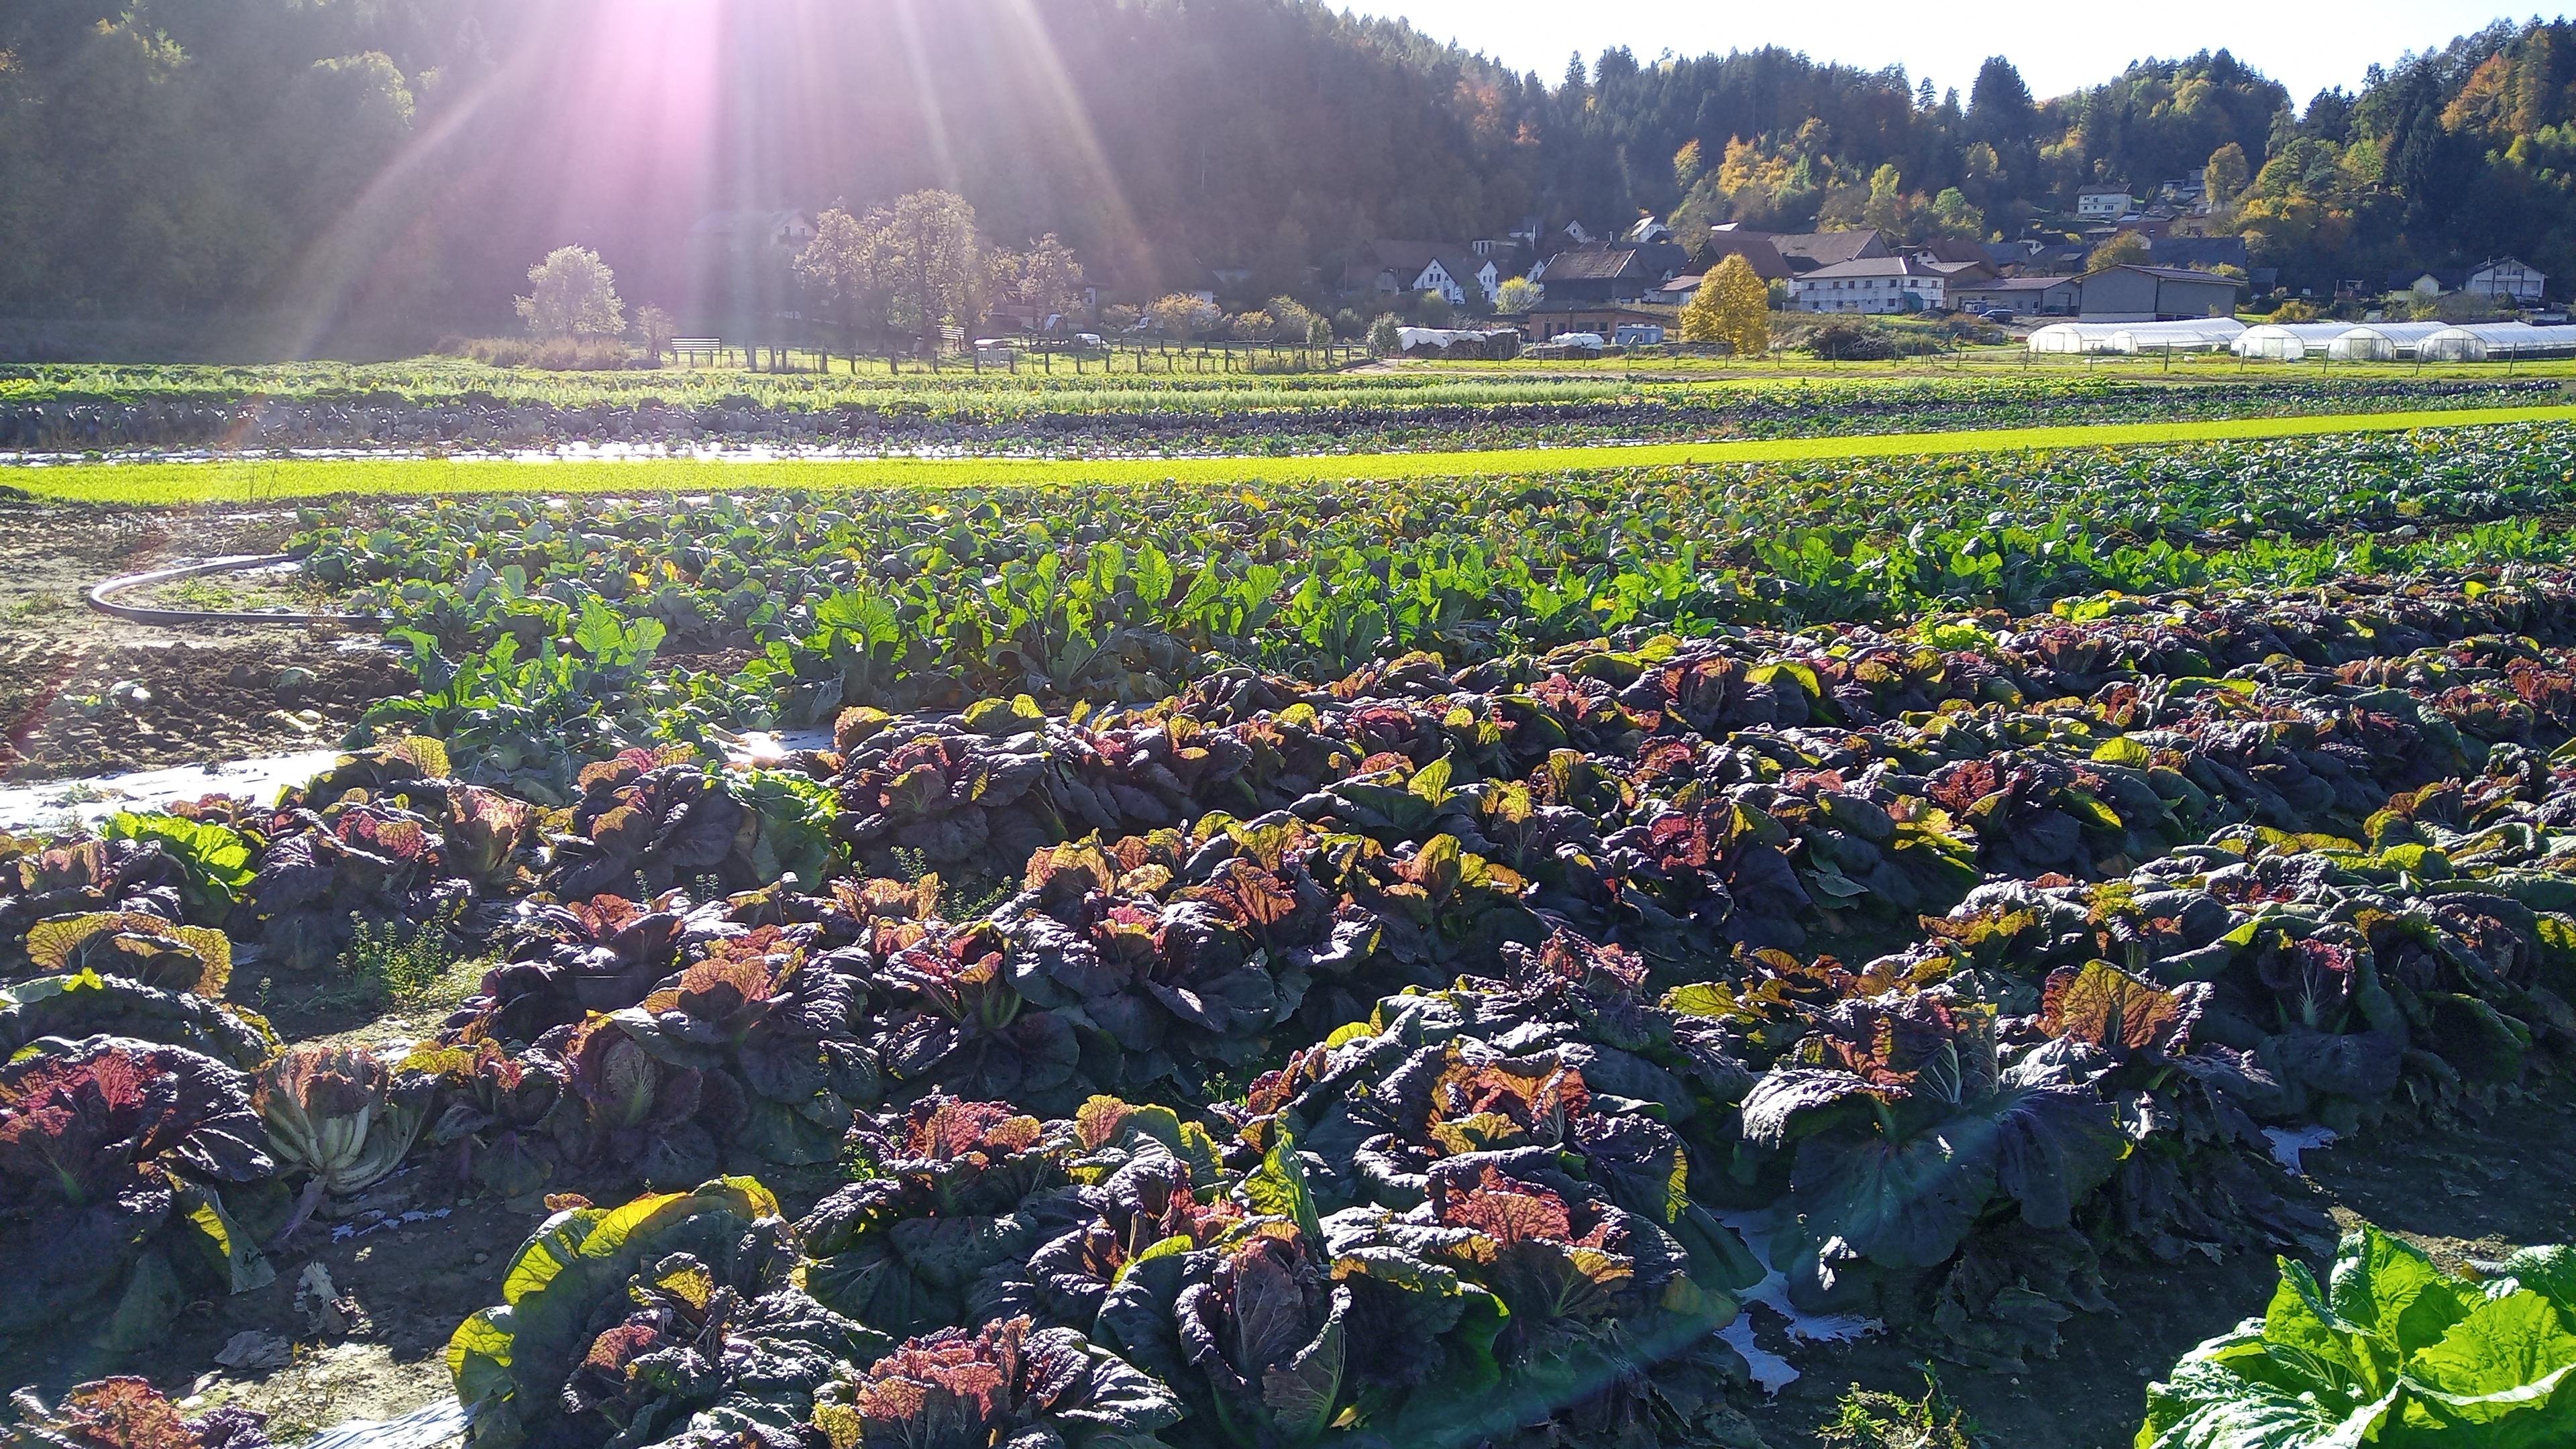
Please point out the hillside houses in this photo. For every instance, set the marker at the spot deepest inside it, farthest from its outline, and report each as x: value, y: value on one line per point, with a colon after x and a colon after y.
x: 1393, y: 268
x: 1856, y: 271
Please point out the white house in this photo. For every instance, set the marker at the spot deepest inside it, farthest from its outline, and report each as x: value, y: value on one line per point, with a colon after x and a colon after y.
x: 2101, y: 205
x: 1872, y: 285
x: 1390, y: 268
x: 2507, y: 279
x: 1451, y: 274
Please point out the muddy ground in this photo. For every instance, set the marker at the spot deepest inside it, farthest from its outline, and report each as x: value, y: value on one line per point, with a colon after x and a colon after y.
x: 2471, y: 1190
x: 84, y: 694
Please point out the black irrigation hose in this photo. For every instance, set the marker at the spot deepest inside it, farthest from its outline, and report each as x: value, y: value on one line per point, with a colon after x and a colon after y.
x: 101, y: 598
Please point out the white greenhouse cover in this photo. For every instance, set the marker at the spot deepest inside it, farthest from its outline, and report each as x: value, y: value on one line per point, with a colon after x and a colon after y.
x: 2381, y: 341
x: 2287, y: 341
x: 2208, y: 334
x: 2075, y: 336
x: 2545, y: 342
x: 2496, y: 340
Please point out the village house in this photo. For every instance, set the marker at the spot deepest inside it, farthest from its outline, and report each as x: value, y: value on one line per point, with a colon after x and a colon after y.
x: 1877, y: 285
x: 1807, y: 251
x: 2102, y: 205
x: 1678, y: 292
x: 1594, y: 275
x: 1394, y: 268
x: 744, y: 232
x: 2507, y: 279
x: 1760, y: 250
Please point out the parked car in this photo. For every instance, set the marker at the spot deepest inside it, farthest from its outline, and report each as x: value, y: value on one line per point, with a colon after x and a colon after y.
x: 1089, y: 339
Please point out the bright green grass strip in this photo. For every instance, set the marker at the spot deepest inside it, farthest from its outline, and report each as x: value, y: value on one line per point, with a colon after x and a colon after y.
x: 266, y: 482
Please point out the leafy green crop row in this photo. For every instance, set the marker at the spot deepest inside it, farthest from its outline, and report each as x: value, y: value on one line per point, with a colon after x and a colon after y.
x: 1108, y: 594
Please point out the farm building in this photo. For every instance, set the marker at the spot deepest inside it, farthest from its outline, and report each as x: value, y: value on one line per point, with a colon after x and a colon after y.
x: 1548, y: 323
x: 2022, y: 296
x: 2156, y: 294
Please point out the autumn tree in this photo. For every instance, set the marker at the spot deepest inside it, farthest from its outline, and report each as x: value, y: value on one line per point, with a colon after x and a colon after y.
x: 1046, y: 279
x: 575, y: 295
x: 655, y: 329
x: 1519, y: 295
x: 2125, y: 249
x: 2226, y: 177
x: 843, y: 269
x: 931, y: 263
x: 1297, y: 322
x: 1731, y: 306
x: 1184, y: 317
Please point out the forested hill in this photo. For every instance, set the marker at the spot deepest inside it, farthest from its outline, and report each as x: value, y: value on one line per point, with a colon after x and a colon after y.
x: 409, y: 158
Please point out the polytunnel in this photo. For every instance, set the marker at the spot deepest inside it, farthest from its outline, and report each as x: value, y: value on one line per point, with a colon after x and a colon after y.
x: 2547, y: 342
x: 2205, y: 334
x: 2287, y: 341
x: 2381, y: 341
x: 2477, y: 344
x: 2076, y: 337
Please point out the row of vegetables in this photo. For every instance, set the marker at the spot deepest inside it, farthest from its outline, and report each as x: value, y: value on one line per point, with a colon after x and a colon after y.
x: 1481, y: 1020
x: 534, y: 622
x: 53, y: 420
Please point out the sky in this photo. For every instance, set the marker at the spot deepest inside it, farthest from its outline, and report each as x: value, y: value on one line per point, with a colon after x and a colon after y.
x: 2304, y: 45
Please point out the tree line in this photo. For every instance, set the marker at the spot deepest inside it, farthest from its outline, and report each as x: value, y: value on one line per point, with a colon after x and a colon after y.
x: 400, y: 162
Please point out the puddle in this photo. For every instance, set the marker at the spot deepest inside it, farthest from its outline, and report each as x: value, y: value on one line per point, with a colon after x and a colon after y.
x: 59, y: 803
x: 89, y: 801
x: 1770, y: 1370
x: 423, y: 1428
x: 2287, y: 1146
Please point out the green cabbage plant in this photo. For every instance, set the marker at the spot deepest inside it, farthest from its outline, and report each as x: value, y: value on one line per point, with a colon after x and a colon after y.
x: 2390, y: 1351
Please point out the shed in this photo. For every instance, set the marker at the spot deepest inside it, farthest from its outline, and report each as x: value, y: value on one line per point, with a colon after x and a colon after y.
x: 2025, y: 296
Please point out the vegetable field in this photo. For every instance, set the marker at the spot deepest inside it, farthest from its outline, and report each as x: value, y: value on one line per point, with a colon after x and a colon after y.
x: 214, y: 481
x: 59, y: 414
x: 1435, y: 960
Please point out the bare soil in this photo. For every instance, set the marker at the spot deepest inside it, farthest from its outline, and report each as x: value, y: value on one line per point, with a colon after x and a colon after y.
x: 85, y: 694
x: 2460, y: 1191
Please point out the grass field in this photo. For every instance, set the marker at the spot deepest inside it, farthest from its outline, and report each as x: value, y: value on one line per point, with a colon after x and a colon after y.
x: 167, y: 484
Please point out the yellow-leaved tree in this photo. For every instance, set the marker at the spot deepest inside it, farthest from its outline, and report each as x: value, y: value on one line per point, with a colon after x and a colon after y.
x: 1732, y: 306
